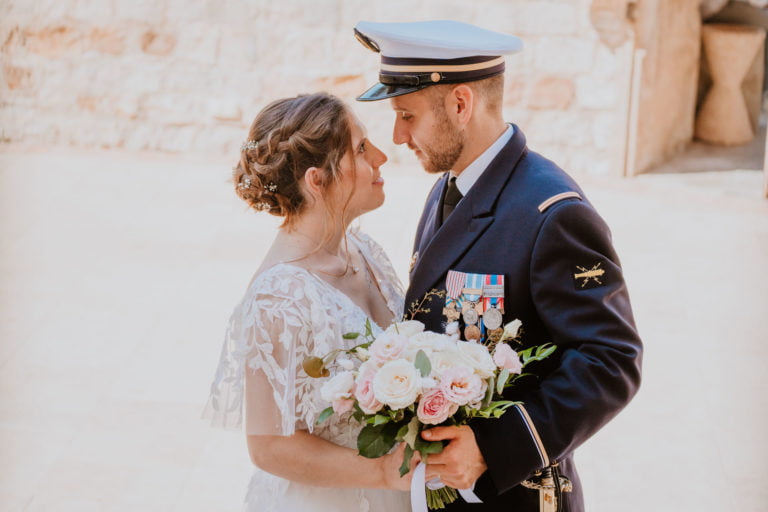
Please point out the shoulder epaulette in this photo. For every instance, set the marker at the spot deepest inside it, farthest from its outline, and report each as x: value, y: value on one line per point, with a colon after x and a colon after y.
x: 557, y: 198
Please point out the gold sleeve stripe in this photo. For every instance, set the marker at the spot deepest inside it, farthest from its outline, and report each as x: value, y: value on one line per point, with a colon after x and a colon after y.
x: 534, y: 435
x: 559, y: 197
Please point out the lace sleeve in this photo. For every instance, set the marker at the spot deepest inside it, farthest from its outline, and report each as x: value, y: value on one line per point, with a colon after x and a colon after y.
x: 281, y: 319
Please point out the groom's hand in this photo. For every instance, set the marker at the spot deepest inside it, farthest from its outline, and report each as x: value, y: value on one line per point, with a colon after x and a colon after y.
x: 460, y: 463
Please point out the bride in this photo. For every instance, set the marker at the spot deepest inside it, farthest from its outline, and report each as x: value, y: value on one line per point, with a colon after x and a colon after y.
x: 307, y: 160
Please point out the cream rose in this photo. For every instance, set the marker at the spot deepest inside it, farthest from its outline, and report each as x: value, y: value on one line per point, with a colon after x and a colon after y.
x: 462, y: 386
x: 338, y: 387
x: 397, y: 384
x: 407, y: 328
x: 442, y: 361
x: 387, y: 347
x: 476, y: 356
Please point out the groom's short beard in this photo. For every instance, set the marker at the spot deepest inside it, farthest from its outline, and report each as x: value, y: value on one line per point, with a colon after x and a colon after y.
x: 448, y: 144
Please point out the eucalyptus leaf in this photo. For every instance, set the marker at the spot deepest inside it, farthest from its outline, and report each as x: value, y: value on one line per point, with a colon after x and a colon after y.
x: 325, y: 414
x: 421, y: 362
x: 503, y: 377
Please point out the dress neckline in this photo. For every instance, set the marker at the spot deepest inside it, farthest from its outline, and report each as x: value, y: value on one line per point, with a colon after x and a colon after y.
x: 339, y: 292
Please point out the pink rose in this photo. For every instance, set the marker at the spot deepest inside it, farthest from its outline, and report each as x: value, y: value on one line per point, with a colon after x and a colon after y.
x: 505, y: 357
x: 461, y: 385
x: 387, y: 347
x: 366, y: 399
x: 342, y: 405
x: 434, y: 408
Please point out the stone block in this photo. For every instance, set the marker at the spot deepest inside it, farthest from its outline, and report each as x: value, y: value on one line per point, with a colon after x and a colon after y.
x: 17, y: 77
x: 597, y: 93
x: 551, y: 93
x: 107, y: 40
x: 155, y: 43
x: 54, y: 40
x: 563, y: 55
x: 546, y: 17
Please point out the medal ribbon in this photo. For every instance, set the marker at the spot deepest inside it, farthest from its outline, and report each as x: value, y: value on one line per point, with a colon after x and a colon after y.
x: 496, y: 297
x: 474, y: 287
x: 453, y: 284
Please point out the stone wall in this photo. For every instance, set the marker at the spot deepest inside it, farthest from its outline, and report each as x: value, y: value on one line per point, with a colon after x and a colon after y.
x: 190, y: 75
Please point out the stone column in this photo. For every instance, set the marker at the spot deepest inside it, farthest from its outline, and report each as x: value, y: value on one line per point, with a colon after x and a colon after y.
x: 730, y: 50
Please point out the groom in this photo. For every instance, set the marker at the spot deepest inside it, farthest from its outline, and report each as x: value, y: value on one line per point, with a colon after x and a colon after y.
x: 518, y: 223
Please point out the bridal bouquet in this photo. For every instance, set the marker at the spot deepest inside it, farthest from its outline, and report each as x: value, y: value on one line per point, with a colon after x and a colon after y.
x: 406, y: 379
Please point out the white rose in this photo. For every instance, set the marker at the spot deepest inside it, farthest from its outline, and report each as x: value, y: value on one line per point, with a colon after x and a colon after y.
x: 397, y: 384
x: 476, y: 356
x: 407, y: 328
x: 452, y: 328
x: 427, y: 341
x: 442, y: 361
x: 339, y: 387
x: 387, y: 347
x: 511, y: 330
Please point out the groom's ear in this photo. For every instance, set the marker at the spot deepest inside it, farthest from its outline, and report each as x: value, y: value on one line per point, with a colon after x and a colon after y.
x: 461, y: 103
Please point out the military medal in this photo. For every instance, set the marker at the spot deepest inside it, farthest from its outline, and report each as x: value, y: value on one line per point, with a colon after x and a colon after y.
x: 453, y: 284
x: 472, y: 332
x: 492, y: 319
x: 493, y: 302
x: 473, y: 290
x: 470, y: 316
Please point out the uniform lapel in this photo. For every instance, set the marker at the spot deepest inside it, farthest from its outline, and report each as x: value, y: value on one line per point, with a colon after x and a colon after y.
x: 439, y: 252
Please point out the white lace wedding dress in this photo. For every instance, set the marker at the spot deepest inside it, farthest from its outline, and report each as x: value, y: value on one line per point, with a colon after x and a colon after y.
x: 286, y: 314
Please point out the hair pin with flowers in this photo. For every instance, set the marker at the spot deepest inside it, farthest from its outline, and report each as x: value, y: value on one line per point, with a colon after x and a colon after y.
x: 249, y: 144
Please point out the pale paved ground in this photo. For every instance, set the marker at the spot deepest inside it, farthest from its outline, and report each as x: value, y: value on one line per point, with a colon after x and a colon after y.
x: 119, y: 272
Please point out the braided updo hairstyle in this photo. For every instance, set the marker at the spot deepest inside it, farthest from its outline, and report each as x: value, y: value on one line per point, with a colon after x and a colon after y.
x: 288, y: 137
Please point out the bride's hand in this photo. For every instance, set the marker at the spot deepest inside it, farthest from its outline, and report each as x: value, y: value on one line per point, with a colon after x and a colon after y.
x: 391, y: 469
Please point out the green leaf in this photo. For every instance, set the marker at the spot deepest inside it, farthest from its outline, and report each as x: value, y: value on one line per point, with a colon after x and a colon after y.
x: 375, y: 441
x: 427, y: 447
x: 368, y: 328
x: 324, y: 415
x: 351, y: 335
x: 379, y: 420
x: 503, y: 377
x: 405, y: 467
x: 489, y: 392
x: 411, y: 432
x: 421, y: 362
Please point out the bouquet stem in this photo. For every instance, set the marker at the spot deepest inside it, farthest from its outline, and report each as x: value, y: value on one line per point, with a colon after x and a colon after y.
x: 439, y: 498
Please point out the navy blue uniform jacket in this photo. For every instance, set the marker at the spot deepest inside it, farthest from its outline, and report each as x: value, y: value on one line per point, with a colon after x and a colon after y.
x: 504, y: 225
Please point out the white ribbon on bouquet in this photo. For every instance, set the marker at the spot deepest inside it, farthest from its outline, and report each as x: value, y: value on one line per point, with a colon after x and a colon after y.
x: 419, y: 490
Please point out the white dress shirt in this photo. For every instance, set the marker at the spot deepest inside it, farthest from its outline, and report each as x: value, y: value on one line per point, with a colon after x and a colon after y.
x: 469, y: 176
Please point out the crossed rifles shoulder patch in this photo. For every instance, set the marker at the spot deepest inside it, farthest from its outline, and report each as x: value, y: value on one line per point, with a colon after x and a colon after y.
x: 585, y: 277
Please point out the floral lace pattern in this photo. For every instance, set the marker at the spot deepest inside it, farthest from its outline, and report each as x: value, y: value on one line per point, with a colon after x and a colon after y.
x: 288, y: 313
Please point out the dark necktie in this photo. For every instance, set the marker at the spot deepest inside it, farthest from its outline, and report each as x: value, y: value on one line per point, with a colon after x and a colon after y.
x: 451, y: 199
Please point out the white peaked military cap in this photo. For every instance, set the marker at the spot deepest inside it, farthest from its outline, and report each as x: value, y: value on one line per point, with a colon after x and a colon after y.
x: 418, y: 54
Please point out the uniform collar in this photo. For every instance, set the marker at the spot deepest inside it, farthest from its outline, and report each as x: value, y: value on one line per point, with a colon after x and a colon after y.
x: 469, y: 176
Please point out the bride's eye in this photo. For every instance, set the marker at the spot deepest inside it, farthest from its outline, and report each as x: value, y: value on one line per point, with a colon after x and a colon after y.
x: 361, y: 148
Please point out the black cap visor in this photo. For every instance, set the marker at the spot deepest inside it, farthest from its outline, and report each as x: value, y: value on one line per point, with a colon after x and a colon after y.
x: 383, y: 91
